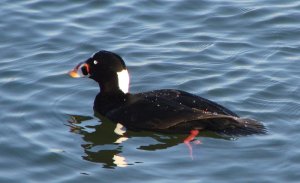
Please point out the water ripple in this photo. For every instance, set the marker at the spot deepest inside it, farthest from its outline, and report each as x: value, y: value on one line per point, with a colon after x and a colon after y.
x: 243, y: 55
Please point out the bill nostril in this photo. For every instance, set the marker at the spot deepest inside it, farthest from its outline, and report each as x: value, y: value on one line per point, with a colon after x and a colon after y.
x: 84, y: 70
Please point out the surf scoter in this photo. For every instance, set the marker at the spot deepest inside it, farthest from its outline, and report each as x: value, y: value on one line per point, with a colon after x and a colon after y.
x: 166, y: 110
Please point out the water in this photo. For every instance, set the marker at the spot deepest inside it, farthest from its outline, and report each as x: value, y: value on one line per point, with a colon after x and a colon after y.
x: 241, y: 54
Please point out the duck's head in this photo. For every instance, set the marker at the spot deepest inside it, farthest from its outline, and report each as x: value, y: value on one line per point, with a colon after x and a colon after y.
x: 106, y: 68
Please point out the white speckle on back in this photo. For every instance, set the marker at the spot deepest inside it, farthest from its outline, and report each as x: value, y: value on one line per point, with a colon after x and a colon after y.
x: 123, y: 79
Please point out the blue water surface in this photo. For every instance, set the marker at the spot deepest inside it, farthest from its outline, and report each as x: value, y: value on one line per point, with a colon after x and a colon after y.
x: 241, y: 54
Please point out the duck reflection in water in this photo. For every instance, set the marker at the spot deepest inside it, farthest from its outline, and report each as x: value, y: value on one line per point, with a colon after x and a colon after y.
x: 102, y: 145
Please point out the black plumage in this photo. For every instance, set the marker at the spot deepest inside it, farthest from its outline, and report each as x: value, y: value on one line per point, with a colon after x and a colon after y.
x: 167, y: 110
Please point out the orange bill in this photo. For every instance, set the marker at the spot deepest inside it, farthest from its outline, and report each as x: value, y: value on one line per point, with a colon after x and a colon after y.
x: 74, y: 74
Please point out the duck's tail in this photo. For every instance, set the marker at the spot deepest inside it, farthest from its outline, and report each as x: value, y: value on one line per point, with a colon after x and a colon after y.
x: 235, y: 126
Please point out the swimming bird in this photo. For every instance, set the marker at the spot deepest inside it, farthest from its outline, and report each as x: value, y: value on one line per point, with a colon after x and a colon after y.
x: 163, y: 110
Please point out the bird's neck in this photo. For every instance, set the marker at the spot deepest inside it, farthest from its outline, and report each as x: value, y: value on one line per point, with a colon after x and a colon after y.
x: 110, y: 88
x: 107, y: 100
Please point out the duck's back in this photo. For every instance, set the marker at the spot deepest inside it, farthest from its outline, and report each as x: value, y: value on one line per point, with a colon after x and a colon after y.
x: 189, y: 100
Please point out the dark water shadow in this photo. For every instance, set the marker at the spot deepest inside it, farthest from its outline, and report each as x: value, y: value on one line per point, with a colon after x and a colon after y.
x: 102, y: 145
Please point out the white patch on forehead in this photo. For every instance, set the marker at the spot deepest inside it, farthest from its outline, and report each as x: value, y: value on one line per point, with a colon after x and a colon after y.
x: 123, y: 79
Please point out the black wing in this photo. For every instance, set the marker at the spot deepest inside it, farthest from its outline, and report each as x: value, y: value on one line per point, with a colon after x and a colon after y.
x: 158, y: 111
x: 152, y: 113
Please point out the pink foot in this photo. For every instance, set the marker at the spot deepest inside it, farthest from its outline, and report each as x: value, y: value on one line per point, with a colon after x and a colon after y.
x: 190, y: 138
x: 193, y: 134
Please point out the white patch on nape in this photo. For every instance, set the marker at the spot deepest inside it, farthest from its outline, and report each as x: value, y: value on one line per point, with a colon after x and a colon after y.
x: 123, y: 80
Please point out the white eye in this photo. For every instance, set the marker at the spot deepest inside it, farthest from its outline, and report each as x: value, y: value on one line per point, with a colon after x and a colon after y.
x: 95, y: 62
